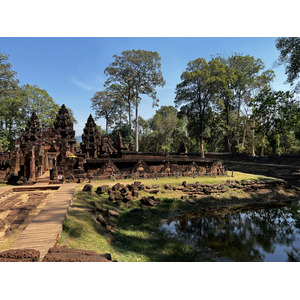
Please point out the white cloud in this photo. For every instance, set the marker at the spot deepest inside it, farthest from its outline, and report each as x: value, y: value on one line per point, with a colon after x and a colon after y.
x: 93, y: 85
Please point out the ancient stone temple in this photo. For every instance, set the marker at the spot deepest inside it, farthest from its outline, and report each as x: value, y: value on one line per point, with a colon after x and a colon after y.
x: 54, y: 150
x: 90, y: 139
x: 64, y: 127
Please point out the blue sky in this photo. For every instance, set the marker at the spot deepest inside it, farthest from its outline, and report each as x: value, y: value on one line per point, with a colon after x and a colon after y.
x: 72, y: 69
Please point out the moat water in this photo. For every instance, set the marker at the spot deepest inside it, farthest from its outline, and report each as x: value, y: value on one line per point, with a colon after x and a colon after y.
x: 269, y: 234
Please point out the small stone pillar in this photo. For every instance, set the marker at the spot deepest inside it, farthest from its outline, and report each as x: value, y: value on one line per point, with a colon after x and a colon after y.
x: 32, y: 165
x: 17, y: 162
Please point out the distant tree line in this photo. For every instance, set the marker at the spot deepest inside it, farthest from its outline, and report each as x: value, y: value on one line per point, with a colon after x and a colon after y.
x: 18, y: 102
x: 225, y: 104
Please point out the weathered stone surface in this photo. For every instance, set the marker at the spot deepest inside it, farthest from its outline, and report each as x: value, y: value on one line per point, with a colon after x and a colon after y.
x: 127, y: 199
x: 20, y: 255
x: 112, y: 196
x: 124, y: 190
x: 137, y: 183
x: 153, y: 191
x: 116, y: 187
x: 114, y: 213
x: 141, y: 187
x: 101, y: 189
x: 88, y: 188
x: 147, y: 201
x: 135, y: 194
x: 64, y: 254
x: 130, y: 187
x: 102, y: 221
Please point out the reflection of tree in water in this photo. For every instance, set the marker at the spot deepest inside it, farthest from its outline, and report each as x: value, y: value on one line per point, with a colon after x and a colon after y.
x: 241, y: 236
x: 293, y: 255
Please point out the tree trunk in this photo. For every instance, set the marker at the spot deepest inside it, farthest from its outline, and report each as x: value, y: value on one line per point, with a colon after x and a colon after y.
x: 253, y: 140
x: 129, y: 113
x: 244, y: 137
x: 262, y: 146
x: 106, y: 126
x: 136, y: 126
x: 238, y: 122
x: 201, y: 147
x: 227, y: 142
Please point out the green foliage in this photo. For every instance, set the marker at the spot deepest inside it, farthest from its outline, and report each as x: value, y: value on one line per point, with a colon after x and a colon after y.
x: 163, y: 124
x: 126, y: 133
x: 276, y: 113
x: 5, y: 140
x: 8, y: 82
x: 39, y: 101
x: 137, y: 72
x: 18, y: 103
x: 289, y: 48
x: 104, y: 105
x: 197, y: 92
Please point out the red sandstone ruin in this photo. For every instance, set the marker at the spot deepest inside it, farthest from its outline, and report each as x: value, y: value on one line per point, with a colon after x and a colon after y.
x: 54, y: 150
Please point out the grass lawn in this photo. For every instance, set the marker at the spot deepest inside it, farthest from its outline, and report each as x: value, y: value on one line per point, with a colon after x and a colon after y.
x: 135, y: 235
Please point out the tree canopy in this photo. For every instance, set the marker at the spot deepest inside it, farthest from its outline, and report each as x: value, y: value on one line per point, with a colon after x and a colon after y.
x: 289, y: 48
x: 18, y: 102
x: 138, y: 72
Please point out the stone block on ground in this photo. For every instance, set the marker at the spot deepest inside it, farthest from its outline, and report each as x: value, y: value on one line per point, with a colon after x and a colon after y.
x: 101, y: 189
x: 116, y: 187
x: 64, y: 254
x: 127, y: 198
x: 112, y: 196
x: 88, y: 188
x: 114, y: 213
x: 153, y: 191
x: 147, y: 201
x: 102, y: 221
x: 135, y: 193
x: 20, y: 255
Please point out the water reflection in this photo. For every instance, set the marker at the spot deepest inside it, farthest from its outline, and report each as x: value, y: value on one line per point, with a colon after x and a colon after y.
x: 271, y: 234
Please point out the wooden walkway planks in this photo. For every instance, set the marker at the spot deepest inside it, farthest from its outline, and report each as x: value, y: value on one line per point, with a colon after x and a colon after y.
x: 42, y: 233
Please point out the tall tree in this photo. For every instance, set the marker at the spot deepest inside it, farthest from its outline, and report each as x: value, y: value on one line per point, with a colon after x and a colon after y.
x: 8, y: 81
x: 163, y: 124
x: 38, y: 100
x: 197, y: 93
x: 275, y: 114
x: 104, y: 106
x: 289, y: 48
x: 123, y: 95
x: 247, y: 70
x: 121, y: 103
x: 139, y: 72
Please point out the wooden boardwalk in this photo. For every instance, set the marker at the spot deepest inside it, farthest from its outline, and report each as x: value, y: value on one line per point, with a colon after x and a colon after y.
x: 43, y: 232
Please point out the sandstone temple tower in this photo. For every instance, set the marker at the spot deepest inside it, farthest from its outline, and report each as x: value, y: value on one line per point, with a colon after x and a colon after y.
x: 90, y: 139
